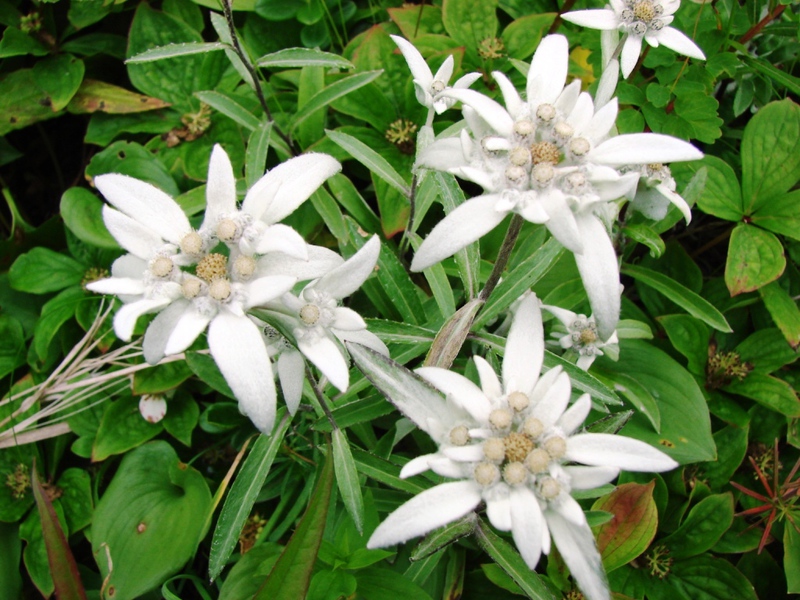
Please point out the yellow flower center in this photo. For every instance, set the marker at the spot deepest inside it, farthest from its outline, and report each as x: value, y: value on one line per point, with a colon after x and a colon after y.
x: 213, y: 266
x: 517, y: 446
x: 545, y: 152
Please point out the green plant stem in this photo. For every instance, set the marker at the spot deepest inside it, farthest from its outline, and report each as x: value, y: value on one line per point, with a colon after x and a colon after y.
x: 412, y: 197
x: 237, y: 47
x: 756, y: 29
x: 568, y: 4
x: 321, y: 398
x: 502, y: 257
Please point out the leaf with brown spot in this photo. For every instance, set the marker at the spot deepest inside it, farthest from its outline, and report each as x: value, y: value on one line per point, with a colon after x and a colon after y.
x: 633, y: 527
x: 95, y: 96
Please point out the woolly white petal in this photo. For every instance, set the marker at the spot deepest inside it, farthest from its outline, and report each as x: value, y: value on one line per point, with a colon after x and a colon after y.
x: 239, y: 351
x: 116, y: 286
x: 585, y: 361
x: 490, y: 384
x: 599, y: 18
x: 527, y: 522
x: 567, y: 317
x: 603, y: 449
x: 607, y: 86
x: 579, y: 551
x: 630, y: 54
x: 677, y: 200
x: 416, y: 64
x: 188, y: 327
x: 575, y: 415
x: 466, y: 80
x: 320, y: 261
x: 127, y: 315
x: 284, y: 239
x: 588, y: 478
x: 468, y: 454
x: 544, y: 384
x: 641, y: 149
x: 562, y: 223
x: 602, y: 122
x: 278, y: 193
x: 347, y: 319
x: 550, y: 408
x: 600, y: 274
x: 445, y: 71
x: 548, y: 71
x: 416, y: 466
x: 498, y: 507
x: 220, y: 187
x: 262, y: 290
x: 365, y: 338
x: 160, y: 329
x: 490, y: 111
x: 425, y: 512
x: 291, y: 372
x: 678, y: 41
x: 443, y: 155
x: 582, y: 112
x: 467, y: 223
x: 461, y: 390
x: 511, y: 97
x: 128, y: 265
x: 348, y: 277
x: 145, y: 203
x: 524, y: 352
x: 567, y: 99
x: 328, y: 358
x: 137, y: 239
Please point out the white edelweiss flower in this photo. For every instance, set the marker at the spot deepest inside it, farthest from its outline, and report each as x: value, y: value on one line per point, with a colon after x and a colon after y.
x: 152, y: 408
x: 656, y: 191
x: 525, y: 432
x: 429, y: 87
x: 582, y: 336
x: 641, y: 20
x: 320, y: 325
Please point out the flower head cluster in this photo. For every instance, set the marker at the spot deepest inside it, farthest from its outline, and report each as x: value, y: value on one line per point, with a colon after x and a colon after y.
x: 640, y: 20
x: 208, y: 278
x: 550, y: 158
x: 515, y: 445
x: 582, y: 336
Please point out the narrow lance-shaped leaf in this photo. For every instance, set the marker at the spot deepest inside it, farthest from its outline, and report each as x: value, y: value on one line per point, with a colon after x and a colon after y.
x: 63, y: 568
x: 256, y: 154
x: 444, y: 536
x: 370, y: 159
x: 229, y: 107
x: 291, y: 575
x: 783, y: 310
x: 451, y: 336
x: 173, y: 50
x: 242, y: 496
x: 333, y: 92
x: 295, y: 58
x: 347, y: 478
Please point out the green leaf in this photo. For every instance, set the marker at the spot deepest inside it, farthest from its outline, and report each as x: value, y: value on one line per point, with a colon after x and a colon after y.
x: 376, y: 583
x: 55, y: 313
x: 721, y: 195
x: 705, y: 524
x: 17, y: 43
x: 770, y: 154
x: 160, y: 378
x: 162, y: 523
x: 22, y: 103
x: 255, y: 163
x: 94, y: 96
x: 469, y: 22
x: 370, y: 159
x: 249, y: 571
x: 122, y: 428
x: 633, y: 526
x: 522, y: 36
x: 82, y: 212
x: 692, y: 303
x: 731, y: 445
x: 519, y: 280
x: 644, y: 234
x: 438, y: 282
x: 76, y: 498
x: 451, y: 336
x: 784, y: 79
x: 230, y: 107
x: 60, y: 77
x: 438, y: 539
x: 511, y: 562
x: 332, y: 92
x: 400, y: 333
x: 242, y: 495
x: 291, y: 575
x: 181, y: 418
x: 766, y: 350
x: 42, y: 271
x: 755, y: 258
x: 771, y: 392
x: 690, y: 337
x: 328, y: 209
x: 347, y: 195
x: 12, y: 344
x: 173, y: 50
x: 347, y: 478
x: 783, y: 310
x: 791, y: 558
x: 63, y: 568
x: 685, y: 423
x: 129, y: 158
x: 707, y: 578
x: 638, y: 395
x: 10, y: 554
x: 385, y: 472
x: 206, y: 369
x: 295, y: 58
x: 780, y: 215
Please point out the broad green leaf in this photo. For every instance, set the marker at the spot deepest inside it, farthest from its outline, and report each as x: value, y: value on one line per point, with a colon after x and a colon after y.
x: 347, y: 195
x: 161, y: 526
x: 42, y: 271
x: 173, y: 50
x: 511, y: 562
x: 76, y: 498
x: 181, y: 418
x: 22, y: 103
x: 249, y: 571
x: 770, y: 153
x: 685, y: 423
x: 522, y: 36
x: 394, y: 207
x: 82, y: 212
x: 791, y: 558
x: 295, y: 58
x: 10, y: 554
x: 327, y: 208
x: 783, y: 310
x: 255, y: 163
x: 370, y: 159
x: 707, y: 578
x: 347, y: 478
x: 702, y: 527
x: 633, y: 526
x: 130, y: 158
x: 519, y: 280
x: 291, y: 575
x: 755, y: 258
x: 638, y: 395
x: 470, y: 22
x: 60, y: 77
x: 63, y: 568
x: 228, y: 106
x: 242, y: 495
x: 644, y: 234
x: 362, y: 410
x: 160, y: 378
x: 417, y: 20
x: 444, y: 536
x: 332, y: 92
x: 766, y: 68
x: 731, y: 445
x: 721, y: 195
x: 97, y: 96
x: 692, y: 303
x: 780, y: 215
x: 771, y: 392
x: 690, y: 337
x: 378, y: 583
x: 17, y: 43
x: 468, y: 259
x: 206, y: 369
x: 452, y: 335
x: 12, y: 344
x: 766, y: 350
x: 122, y: 428
x: 55, y: 313
x: 631, y: 329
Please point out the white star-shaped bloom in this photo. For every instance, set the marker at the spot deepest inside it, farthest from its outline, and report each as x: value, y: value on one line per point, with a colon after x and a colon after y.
x: 656, y: 191
x: 509, y: 444
x: 429, y: 87
x: 582, y: 336
x: 641, y: 20
x: 320, y: 325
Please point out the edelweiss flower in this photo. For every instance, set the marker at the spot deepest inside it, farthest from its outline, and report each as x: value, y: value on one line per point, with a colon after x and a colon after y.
x: 225, y: 284
x: 656, y: 191
x: 320, y: 325
x: 428, y: 86
x: 641, y: 20
x: 509, y: 444
x: 549, y: 159
x: 582, y: 336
